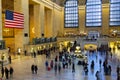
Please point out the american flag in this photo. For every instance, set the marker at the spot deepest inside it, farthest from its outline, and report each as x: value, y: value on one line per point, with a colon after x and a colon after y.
x: 14, y: 19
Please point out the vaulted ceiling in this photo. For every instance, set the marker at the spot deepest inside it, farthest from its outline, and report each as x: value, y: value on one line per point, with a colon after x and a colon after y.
x: 81, y: 2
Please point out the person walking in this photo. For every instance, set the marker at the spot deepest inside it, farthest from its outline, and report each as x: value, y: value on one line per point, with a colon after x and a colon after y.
x: 73, y: 67
x: 6, y: 72
x: 59, y: 67
x: 86, y: 70
x: 69, y: 60
x: 2, y: 72
x: 32, y: 68
x: 51, y: 64
x: 46, y: 64
x: 92, y: 64
x: 25, y: 52
x: 56, y: 58
x: 36, y: 68
x: 11, y: 72
x: 100, y: 62
x: 34, y: 54
x: 9, y: 58
x: 97, y: 74
x: 55, y: 67
x: 109, y: 70
x: 118, y: 71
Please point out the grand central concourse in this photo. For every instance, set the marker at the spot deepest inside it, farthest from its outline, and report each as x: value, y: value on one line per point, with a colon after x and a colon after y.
x: 60, y: 39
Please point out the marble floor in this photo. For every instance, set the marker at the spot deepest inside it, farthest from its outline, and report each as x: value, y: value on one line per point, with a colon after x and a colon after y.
x: 22, y: 69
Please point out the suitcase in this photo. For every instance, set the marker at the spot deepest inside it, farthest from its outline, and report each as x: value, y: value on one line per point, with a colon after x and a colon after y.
x: 49, y: 68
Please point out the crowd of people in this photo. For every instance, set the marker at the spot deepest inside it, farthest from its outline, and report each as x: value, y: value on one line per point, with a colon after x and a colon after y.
x: 7, y: 73
x: 65, y: 60
x: 61, y: 62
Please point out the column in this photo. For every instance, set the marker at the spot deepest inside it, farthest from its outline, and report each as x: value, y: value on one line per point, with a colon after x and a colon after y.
x: 42, y: 19
x: 20, y: 38
x: 82, y: 19
x: 48, y: 20
x: 105, y: 19
x: 25, y: 10
x: 57, y: 21
x: 1, y: 20
x: 37, y: 17
x: 61, y: 30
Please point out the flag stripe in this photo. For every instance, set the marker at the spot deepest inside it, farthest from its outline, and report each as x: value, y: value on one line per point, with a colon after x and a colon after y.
x: 14, y: 19
x: 18, y: 13
x: 15, y: 26
x: 10, y: 21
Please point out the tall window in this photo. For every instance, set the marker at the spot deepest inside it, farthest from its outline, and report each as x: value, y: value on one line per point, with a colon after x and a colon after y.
x: 114, y: 12
x: 93, y: 13
x: 71, y: 14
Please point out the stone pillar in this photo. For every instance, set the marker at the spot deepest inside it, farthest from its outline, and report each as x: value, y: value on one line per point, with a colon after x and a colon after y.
x: 48, y: 23
x: 20, y: 40
x: 37, y: 17
x: 57, y: 21
x: 54, y: 21
x: 42, y: 19
x: 61, y: 30
x: 1, y: 20
x: 25, y: 10
x: 105, y: 19
x: 31, y: 21
x: 82, y: 19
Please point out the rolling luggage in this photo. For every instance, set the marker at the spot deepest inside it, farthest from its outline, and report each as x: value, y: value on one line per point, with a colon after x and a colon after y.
x: 49, y: 68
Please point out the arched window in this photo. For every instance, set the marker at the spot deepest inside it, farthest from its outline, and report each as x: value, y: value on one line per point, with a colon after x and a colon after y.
x: 93, y: 13
x: 114, y: 13
x: 71, y: 14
